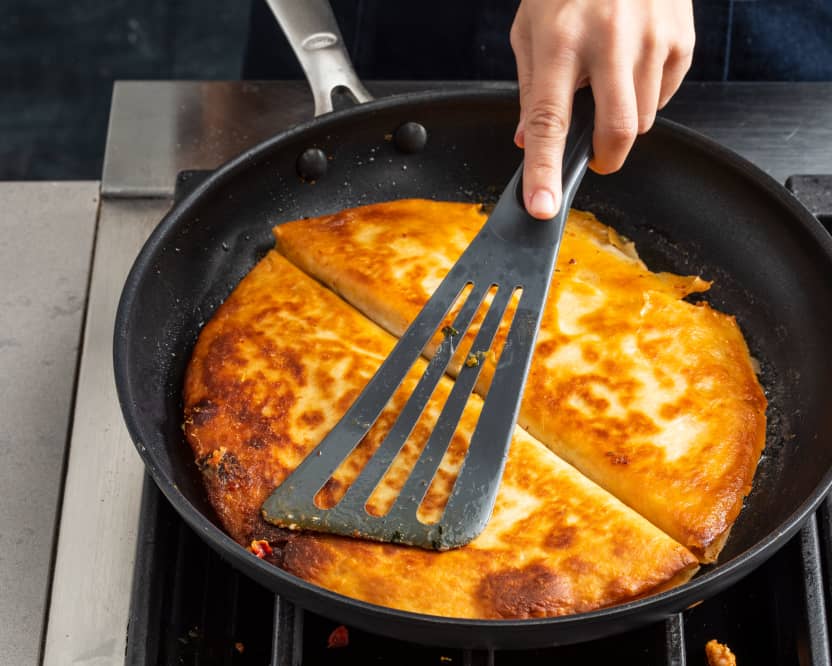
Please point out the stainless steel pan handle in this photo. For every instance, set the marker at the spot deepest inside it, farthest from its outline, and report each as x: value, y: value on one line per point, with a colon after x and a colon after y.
x: 312, y: 31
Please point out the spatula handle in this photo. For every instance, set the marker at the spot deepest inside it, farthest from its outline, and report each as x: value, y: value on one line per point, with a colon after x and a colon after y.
x: 510, y: 221
x: 577, y: 151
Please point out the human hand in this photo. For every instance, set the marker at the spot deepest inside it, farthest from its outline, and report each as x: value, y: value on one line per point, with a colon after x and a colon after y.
x: 633, y: 53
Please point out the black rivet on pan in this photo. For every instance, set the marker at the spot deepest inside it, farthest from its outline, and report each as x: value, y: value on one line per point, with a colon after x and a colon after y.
x: 410, y: 137
x: 311, y: 164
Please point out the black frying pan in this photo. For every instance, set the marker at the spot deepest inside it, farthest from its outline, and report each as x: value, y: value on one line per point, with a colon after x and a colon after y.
x: 690, y: 205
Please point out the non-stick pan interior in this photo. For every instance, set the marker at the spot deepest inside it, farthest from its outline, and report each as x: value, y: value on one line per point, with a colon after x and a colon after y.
x: 690, y: 206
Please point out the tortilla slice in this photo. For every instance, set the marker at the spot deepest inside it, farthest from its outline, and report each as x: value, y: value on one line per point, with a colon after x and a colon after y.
x: 274, y: 370
x: 652, y: 397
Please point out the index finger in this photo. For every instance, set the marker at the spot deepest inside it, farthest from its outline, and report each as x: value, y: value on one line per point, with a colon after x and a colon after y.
x: 554, y: 75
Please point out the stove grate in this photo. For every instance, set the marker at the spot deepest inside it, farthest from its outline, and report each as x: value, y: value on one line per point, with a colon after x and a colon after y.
x: 191, y: 607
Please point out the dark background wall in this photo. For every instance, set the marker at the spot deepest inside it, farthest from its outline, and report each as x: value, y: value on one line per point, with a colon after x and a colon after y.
x: 58, y: 61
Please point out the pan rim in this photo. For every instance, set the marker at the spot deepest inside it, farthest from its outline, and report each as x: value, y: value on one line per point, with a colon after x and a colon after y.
x: 334, y: 604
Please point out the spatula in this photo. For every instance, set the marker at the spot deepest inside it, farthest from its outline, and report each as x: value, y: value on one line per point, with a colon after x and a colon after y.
x: 512, y: 251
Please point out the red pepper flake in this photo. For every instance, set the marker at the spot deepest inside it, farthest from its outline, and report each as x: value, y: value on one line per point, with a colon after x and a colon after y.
x: 260, y: 548
x: 239, y: 647
x: 340, y: 637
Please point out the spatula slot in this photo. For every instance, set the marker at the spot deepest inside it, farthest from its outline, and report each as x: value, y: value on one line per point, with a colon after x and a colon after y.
x: 488, y: 359
x: 497, y: 316
x: 387, y: 438
x: 351, y: 467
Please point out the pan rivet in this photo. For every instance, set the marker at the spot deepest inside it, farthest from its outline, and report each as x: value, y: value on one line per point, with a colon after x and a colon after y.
x: 311, y: 164
x: 410, y: 137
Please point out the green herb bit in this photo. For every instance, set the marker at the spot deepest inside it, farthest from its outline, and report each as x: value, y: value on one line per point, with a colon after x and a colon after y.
x: 449, y: 331
x: 475, y: 358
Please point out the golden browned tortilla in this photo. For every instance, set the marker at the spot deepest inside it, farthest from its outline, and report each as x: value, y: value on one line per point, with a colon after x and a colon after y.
x: 652, y: 397
x: 273, y: 371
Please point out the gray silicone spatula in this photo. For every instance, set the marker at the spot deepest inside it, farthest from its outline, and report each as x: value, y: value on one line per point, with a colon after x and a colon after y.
x: 512, y: 251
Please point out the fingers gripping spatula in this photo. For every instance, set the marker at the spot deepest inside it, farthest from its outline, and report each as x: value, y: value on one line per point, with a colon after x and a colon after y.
x: 512, y: 251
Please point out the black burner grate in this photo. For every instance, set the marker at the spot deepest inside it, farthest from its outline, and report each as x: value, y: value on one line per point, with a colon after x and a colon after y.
x: 190, y: 607
x: 200, y: 611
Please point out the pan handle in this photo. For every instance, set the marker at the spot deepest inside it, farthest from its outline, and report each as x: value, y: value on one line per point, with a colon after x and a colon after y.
x: 312, y: 30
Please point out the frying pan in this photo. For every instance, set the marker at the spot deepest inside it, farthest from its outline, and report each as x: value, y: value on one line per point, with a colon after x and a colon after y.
x: 692, y: 207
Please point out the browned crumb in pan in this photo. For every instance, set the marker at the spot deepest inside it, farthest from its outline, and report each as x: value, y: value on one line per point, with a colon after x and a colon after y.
x: 719, y: 654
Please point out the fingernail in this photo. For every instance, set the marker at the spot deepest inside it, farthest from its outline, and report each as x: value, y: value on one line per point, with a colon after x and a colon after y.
x: 543, y: 204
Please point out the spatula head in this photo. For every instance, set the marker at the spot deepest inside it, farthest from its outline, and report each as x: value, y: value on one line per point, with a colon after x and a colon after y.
x: 513, y: 255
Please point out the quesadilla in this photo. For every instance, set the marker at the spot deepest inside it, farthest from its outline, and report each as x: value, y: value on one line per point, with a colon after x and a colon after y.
x: 274, y: 370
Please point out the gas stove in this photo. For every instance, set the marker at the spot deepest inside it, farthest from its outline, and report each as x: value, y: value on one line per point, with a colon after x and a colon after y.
x: 132, y: 582
x: 188, y: 606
